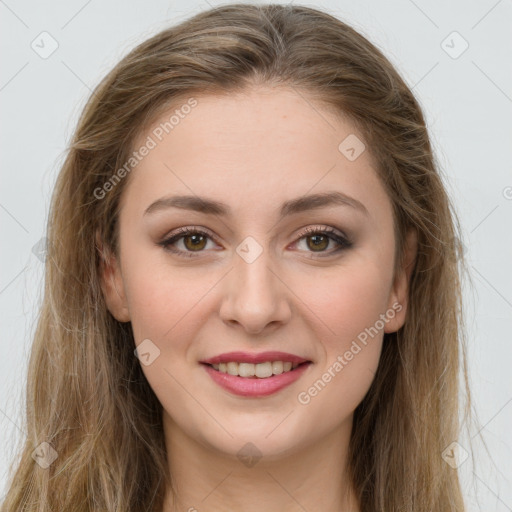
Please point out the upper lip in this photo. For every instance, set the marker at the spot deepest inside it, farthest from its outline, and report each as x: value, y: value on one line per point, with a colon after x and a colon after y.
x: 247, y: 357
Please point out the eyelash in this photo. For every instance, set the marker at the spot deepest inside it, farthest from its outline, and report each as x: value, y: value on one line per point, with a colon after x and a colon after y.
x: 332, y: 234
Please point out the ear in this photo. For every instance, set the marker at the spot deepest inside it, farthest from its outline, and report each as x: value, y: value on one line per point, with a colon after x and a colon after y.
x: 112, y: 284
x: 398, y: 299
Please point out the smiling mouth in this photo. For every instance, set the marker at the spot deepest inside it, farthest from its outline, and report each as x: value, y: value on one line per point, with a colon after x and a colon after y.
x: 257, y: 371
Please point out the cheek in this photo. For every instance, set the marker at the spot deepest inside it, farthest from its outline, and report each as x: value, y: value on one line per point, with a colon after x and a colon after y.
x: 161, y: 303
x: 350, y: 305
x: 351, y: 300
x: 338, y: 387
x: 157, y: 294
x: 165, y: 307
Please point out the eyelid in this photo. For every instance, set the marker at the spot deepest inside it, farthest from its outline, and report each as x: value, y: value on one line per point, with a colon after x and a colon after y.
x: 191, y: 229
x: 319, y: 228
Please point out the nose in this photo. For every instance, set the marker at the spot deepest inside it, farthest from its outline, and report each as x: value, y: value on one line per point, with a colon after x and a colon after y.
x: 255, y: 296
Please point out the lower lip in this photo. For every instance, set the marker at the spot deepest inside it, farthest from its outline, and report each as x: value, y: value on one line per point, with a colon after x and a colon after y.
x: 253, y: 387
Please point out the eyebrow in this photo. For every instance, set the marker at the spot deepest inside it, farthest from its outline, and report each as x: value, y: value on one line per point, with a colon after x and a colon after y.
x: 293, y: 206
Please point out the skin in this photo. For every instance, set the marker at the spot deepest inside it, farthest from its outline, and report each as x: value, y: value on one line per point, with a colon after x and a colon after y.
x: 254, y: 151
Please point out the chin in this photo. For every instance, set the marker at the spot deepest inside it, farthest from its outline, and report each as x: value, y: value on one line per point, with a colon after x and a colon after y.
x: 267, y: 436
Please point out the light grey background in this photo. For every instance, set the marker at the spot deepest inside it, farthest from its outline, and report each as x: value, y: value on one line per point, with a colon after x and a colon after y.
x: 467, y: 100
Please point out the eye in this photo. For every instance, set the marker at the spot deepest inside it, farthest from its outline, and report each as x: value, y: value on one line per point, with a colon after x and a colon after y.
x: 319, y: 238
x: 194, y: 240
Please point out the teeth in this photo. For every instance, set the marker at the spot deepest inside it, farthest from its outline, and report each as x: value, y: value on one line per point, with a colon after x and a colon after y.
x: 232, y: 368
x: 260, y: 370
x: 277, y: 367
x: 263, y: 370
x: 246, y: 369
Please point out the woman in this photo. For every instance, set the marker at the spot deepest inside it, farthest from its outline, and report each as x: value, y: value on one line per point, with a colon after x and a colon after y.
x: 252, y: 296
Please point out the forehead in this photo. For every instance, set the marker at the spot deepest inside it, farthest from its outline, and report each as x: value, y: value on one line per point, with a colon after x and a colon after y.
x: 254, y: 149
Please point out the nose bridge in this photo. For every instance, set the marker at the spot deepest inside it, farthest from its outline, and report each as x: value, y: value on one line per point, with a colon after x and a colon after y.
x: 255, y: 296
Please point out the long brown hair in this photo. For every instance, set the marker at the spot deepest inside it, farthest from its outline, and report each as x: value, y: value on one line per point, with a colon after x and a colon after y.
x: 87, y: 395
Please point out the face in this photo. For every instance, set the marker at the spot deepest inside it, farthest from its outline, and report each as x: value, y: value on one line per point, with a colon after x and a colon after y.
x: 267, y: 268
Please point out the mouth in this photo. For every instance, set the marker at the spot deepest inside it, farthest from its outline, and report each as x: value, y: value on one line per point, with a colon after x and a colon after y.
x: 264, y: 370
x: 255, y: 380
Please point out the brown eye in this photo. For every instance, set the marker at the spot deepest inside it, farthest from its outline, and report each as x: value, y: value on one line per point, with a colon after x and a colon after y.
x: 197, y: 242
x: 318, y: 242
x: 192, y: 241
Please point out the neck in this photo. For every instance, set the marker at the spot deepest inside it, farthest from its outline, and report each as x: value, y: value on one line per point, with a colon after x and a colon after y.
x: 312, y: 478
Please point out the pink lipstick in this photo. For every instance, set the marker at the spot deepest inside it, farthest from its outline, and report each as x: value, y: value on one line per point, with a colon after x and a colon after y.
x: 255, y: 375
